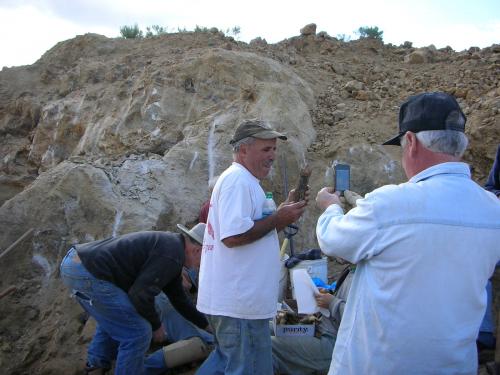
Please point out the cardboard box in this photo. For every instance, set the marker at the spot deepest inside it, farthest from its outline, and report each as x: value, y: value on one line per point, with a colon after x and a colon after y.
x: 291, y: 330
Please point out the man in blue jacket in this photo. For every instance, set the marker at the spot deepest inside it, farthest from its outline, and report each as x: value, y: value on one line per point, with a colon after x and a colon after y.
x: 486, y: 338
x: 116, y: 280
x: 493, y: 182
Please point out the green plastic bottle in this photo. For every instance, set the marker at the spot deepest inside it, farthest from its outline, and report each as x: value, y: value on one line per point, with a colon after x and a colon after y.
x: 269, y: 205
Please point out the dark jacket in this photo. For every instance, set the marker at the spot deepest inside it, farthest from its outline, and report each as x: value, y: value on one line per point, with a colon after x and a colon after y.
x: 493, y: 182
x: 143, y: 264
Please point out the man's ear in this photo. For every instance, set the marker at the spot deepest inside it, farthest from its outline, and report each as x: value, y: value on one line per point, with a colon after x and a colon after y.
x: 243, y: 148
x: 412, y: 143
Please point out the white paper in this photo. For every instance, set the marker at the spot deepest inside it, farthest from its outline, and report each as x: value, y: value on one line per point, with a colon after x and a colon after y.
x: 305, y: 290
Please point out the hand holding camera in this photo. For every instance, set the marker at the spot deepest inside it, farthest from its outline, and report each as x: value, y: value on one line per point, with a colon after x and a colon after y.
x: 326, y: 197
x: 340, y: 193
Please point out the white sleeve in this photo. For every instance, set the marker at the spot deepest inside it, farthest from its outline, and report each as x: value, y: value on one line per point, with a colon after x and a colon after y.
x: 352, y: 236
x: 235, y: 210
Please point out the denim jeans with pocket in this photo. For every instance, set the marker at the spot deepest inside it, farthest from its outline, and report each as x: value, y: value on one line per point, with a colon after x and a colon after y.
x: 121, y: 333
x: 242, y: 346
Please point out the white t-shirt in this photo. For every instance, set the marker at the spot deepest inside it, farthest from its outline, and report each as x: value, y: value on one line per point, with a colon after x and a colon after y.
x: 239, y: 282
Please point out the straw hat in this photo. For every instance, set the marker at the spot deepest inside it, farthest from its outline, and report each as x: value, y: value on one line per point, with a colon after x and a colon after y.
x: 195, y: 233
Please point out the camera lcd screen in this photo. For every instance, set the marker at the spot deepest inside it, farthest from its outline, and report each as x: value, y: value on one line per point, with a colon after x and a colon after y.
x: 342, y: 179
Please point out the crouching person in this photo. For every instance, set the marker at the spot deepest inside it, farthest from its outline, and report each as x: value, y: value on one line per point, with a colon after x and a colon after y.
x: 116, y: 280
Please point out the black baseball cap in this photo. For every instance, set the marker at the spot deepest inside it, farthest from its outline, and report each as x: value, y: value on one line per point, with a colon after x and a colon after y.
x: 256, y: 129
x: 429, y: 111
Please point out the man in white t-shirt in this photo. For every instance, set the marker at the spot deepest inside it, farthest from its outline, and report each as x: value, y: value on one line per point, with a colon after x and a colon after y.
x: 240, y: 266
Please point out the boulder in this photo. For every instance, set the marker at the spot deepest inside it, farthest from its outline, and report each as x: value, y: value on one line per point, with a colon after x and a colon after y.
x: 309, y: 29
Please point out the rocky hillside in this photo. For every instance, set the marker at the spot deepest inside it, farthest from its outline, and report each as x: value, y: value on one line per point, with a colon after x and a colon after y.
x: 107, y: 136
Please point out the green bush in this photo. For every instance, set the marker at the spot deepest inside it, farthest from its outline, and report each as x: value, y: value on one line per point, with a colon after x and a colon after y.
x: 201, y: 29
x: 155, y: 30
x: 370, y: 32
x: 343, y: 37
x: 234, y: 32
x: 131, y: 32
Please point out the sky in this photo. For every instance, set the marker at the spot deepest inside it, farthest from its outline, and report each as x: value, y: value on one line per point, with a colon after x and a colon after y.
x: 28, y: 28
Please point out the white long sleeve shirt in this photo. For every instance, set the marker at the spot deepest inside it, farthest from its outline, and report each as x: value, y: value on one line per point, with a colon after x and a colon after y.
x: 425, y: 250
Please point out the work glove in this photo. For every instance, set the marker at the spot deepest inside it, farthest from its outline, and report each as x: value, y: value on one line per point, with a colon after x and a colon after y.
x: 351, y: 197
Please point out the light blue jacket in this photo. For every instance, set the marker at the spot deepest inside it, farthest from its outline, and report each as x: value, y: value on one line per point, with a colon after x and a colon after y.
x: 425, y: 250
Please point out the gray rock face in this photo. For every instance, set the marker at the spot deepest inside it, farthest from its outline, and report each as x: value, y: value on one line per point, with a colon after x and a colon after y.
x: 141, y: 159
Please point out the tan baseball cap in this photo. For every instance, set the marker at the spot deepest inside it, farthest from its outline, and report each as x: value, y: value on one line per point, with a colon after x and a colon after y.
x: 257, y: 129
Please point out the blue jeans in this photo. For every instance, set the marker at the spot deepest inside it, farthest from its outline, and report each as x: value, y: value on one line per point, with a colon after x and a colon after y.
x: 302, y: 355
x: 243, y: 347
x: 121, y: 333
x: 177, y: 328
